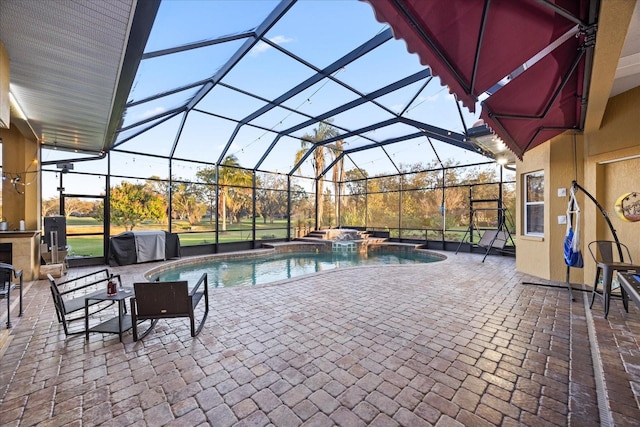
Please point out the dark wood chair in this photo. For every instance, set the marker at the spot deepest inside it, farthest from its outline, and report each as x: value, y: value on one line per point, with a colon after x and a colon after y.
x: 166, y: 300
x: 7, y: 285
x: 69, y: 296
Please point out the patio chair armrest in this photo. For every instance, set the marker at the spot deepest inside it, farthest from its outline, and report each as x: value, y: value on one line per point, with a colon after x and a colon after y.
x: 84, y: 276
x: 90, y: 284
x: 203, y: 279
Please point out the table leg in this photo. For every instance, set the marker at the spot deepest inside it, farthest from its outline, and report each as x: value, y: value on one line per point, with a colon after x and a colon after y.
x: 120, y: 310
x: 625, y: 299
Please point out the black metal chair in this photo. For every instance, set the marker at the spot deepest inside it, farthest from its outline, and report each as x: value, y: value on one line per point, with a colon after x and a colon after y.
x: 7, y: 274
x: 69, y: 296
x: 164, y: 300
x: 610, y: 256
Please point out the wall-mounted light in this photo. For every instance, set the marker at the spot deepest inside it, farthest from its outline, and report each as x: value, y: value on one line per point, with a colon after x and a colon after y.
x: 490, y: 144
x: 15, y: 181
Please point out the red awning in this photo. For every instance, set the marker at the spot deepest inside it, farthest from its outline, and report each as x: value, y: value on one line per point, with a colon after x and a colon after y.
x: 525, y: 57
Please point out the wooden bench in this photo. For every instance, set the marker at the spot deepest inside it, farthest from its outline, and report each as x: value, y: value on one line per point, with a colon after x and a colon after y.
x: 165, y: 300
x: 69, y: 296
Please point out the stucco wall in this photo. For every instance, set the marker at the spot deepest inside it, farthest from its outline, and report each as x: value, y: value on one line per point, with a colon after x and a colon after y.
x: 607, y: 164
x: 612, y: 168
x: 543, y: 257
x: 532, y: 251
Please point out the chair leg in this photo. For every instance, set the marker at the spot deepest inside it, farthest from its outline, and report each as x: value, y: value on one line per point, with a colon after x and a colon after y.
x: 134, y: 320
x: 201, y: 324
x: 146, y: 332
x: 20, y: 312
x: 606, y: 281
x: 594, y: 292
x: 9, y: 310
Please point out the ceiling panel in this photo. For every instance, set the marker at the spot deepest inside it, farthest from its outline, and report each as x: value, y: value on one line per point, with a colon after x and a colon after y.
x: 65, y: 62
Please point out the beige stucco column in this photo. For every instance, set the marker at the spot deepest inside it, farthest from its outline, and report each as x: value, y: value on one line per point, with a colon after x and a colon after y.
x: 21, y: 199
x: 20, y: 159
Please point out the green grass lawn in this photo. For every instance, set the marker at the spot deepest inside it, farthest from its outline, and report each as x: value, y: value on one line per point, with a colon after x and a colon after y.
x: 92, y: 246
x: 75, y: 221
x: 85, y: 246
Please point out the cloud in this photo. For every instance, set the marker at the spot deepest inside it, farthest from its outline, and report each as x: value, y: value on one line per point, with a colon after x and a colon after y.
x: 263, y: 47
x: 152, y: 113
x: 430, y: 98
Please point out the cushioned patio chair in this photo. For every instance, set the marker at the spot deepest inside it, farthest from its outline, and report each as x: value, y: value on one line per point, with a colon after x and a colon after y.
x: 69, y: 296
x: 165, y: 300
x: 7, y: 273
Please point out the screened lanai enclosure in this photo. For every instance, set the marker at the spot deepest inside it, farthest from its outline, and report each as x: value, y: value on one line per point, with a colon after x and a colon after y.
x: 249, y: 122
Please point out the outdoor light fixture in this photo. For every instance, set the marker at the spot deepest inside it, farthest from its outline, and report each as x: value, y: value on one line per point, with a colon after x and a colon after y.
x: 490, y: 143
x: 15, y: 181
x: 66, y: 167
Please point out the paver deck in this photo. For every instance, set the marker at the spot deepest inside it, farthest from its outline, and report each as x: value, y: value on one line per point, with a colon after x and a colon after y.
x: 459, y: 342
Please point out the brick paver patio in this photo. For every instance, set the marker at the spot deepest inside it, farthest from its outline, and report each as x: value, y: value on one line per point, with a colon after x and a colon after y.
x: 459, y: 342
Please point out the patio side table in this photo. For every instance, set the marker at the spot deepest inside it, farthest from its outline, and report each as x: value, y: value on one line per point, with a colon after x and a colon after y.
x: 117, y: 324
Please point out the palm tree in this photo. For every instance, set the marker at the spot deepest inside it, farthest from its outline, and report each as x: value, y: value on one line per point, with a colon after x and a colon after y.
x: 229, y: 176
x: 337, y: 172
x: 323, y: 132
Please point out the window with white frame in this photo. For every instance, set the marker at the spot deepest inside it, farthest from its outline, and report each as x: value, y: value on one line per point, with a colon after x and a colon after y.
x: 534, y: 204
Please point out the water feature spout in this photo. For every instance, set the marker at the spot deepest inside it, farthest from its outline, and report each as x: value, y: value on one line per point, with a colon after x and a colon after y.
x: 343, y: 247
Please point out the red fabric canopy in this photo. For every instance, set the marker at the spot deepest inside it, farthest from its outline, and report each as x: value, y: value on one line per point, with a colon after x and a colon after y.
x: 473, y: 45
x: 529, y: 111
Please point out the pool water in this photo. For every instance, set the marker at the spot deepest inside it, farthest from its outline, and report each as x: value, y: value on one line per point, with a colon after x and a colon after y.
x: 261, y: 270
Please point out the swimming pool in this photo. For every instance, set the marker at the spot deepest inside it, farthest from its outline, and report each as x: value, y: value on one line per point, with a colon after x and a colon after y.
x: 257, y: 270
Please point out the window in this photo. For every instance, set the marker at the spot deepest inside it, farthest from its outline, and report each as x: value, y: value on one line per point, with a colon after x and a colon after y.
x: 534, y: 204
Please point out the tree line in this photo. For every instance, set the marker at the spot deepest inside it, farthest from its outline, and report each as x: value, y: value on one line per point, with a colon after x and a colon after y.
x: 417, y: 197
